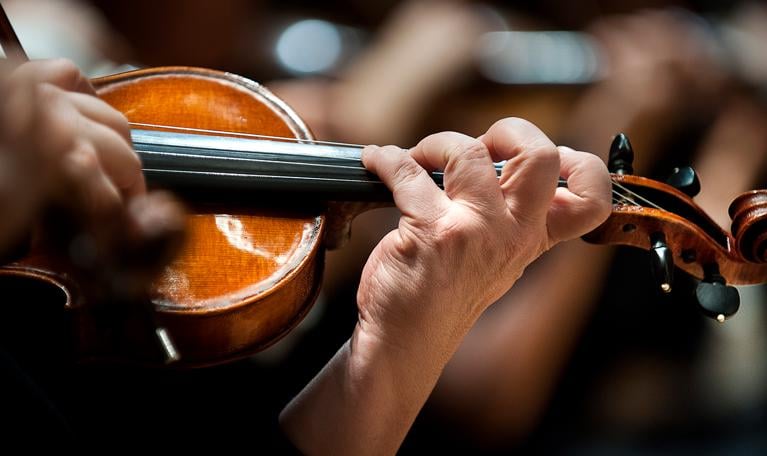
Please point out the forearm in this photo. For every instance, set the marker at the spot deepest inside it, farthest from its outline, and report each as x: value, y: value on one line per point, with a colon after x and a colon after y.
x: 426, y: 283
x: 367, y: 397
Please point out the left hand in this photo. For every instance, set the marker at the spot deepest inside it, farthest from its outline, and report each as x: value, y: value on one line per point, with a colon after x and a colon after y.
x: 457, y: 251
x: 454, y: 252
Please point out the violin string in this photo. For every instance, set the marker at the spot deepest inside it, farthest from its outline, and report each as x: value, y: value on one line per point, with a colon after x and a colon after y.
x: 302, y: 178
x: 561, y: 182
x: 278, y: 162
x: 252, y: 160
x: 622, y: 198
x: 249, y: 135
x: 617, y: 196
x: 625, y: 199
x: 640, y: 197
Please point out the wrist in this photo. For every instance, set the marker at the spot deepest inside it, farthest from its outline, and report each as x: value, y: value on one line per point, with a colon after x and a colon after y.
x: 426, y: 338
x: 418, y: 328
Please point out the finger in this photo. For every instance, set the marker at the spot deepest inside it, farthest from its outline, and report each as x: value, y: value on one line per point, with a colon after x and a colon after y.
x: 415, y: 193
x: 530, y: 174
x: 116, y: 157
x: 470, y: 175
x: 159, y: 223
x: 101, y: 112
x: 60, y: 72
x: 67, y: 122
x: 156, y: 214
x: 85, y: 189
x: 587, y: 200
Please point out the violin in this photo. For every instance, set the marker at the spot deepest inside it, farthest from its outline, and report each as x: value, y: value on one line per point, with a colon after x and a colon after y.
x: 266, y: 200
x: 250, y: 269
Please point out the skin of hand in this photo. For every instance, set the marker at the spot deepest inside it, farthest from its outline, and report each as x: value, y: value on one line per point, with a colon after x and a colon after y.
x: 56, y: 134
x: 454, y: 252
x: 62, y: 147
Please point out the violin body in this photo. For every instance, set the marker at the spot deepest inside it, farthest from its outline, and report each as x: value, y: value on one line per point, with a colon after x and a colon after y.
x: 245, y: 276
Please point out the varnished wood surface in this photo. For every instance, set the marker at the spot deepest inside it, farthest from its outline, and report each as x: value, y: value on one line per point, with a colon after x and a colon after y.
x: 693, y: 247
x: 245, y: 275
x: 749, y: 224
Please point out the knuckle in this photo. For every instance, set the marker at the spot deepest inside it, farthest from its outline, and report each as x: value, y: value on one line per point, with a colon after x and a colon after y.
x: 57, y: 120
x: 112, y: 118
x: 459, y: 230
x: 407, y: 170
x: 453, y: 236
x: 596, y: 162
x: 602, y: 202
x: 388, y: 150
x: 604, y: 208
x: 542, y: 153
x: 524, y: 135
x: 472, y: 149
x: 48, y: 94
x: 121, y: 124
x: 442, y: 136
x: 82, y: 160
x: 63, y: 66
x: 133, y: 159
x: 514, y: 123
x: 518, y: 127
x: 66, y: 72
x: 452, y: 136
x: 132, y: 169
x: 121, y: 152
x: 474, y: 242
x: 408, y: 243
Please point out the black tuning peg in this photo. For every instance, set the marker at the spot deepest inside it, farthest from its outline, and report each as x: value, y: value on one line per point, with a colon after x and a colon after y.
x: 621, y: 155
x: 685, y: 179
x: 715, y: 298
x: 662, y: 261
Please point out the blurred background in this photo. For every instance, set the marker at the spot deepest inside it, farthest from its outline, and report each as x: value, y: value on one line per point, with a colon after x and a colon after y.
x: 583, y: 355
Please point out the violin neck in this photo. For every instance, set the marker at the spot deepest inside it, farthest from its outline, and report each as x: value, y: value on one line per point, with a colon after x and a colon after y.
x: 232, y: 166
x: 216, y: 165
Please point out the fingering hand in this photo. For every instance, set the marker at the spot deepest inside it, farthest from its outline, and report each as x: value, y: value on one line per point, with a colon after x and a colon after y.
x: 457, y: 250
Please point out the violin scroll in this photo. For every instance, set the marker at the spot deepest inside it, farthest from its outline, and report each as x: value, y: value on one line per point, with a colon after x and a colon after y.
x: 662, y: 218
x: 749, y: 225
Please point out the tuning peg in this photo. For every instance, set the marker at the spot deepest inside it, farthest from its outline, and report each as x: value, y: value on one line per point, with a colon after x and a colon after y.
x: 621, y: 155
x: 715, y: 298
x: 685, y: 179
x: 662, y: 261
